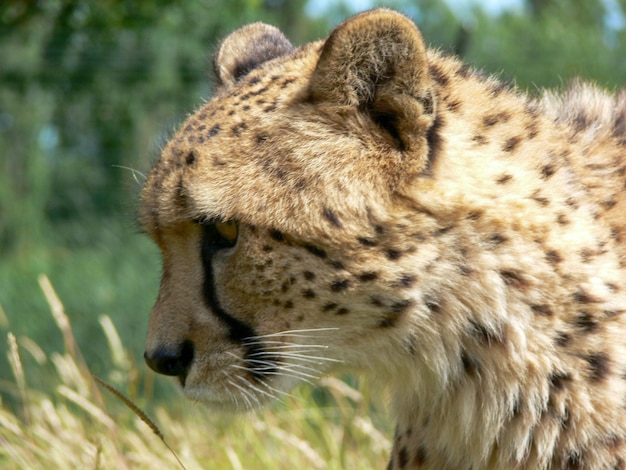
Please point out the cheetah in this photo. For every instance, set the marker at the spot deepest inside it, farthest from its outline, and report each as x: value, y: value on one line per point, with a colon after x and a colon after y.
x: 363, y: 202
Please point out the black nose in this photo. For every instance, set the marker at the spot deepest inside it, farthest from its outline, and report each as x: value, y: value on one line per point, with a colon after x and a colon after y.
x: 171, y: 360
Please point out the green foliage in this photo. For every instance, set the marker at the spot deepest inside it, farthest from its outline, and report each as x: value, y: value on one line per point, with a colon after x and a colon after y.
x: 75, y: 421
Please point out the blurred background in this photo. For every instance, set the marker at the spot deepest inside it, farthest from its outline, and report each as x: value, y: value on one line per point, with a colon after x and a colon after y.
x: 89, y: 91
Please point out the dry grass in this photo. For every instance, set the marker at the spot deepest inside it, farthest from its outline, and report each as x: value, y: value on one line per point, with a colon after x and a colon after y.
x: 72, y: 424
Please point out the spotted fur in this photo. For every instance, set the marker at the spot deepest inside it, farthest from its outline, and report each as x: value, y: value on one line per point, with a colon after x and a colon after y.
x: 400, y: 213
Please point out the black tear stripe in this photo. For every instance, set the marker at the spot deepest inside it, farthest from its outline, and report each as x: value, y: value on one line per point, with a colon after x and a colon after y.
x: 238, y: 331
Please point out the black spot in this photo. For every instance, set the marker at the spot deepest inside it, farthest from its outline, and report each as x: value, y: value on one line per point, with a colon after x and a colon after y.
x: 504, y: 179
x: 547, y: 171
x: 237, y: 128
x: 331, y: 217
x: 465, y: 270
x: 469, y: 364
x: 393, y: 254
x: 543, y: 310
x: 401, y: 306
x: 190, y: 159
x: 562, y: 219
x: 366, y: 241
x: 403, y: 457
x: 336, y: 264
x: 435, y: 143
x: 543, y: 201
x: 432, y: 304
x: 438, y: 75
x: 308, y: 294
x: 492, y: 119
x: 619, y: 125
x: 288, y: 304
x: 474, y: 215
x: 315, y: 251
x: 584, y: 298
x: 562, y: 339
x: 553, y: 257
x: 287, y: 82
x: 609, y: 204
x: 497, y: 239
x: 499, y: 87
x: 443, y: 230
x: 511, y: 144
x: 342, y: 311
x: 558, y: 380
x: 277, y: 235
x: 308, y: 275
x: 261, y: 138
x: 213, y: 131
x: 420, y: 456
x: 406, y: 280
x: 599, y: 366
x: 574, y: 461
x: 465, y: 70
x: 376, y: 301
x: 453, y: 106
x: 339, y: 285
x: 479, y: 139
x: 368, y: 276
x: 483, y: 334
x: 513, y: 279
x: 267, y: 248
x: 329, y: 306
x: 586, y: 322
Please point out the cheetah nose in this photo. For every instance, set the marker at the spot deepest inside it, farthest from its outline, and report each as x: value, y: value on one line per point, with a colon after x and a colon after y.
x: 168, y: 360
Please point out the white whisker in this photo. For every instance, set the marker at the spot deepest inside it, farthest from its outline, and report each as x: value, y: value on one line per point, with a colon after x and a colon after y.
x: 134, y: 173
x: 294, y: 333
x: 256, y: 389
x: 293, y: 355
x: 246, y: 395
x: 283, y: 345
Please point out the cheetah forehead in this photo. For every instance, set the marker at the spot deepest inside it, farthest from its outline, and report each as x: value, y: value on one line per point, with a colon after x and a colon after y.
x: 301, y: 139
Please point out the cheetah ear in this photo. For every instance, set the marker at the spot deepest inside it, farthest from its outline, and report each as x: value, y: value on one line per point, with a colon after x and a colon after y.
x: 376, y: 62
x: 245, y: 49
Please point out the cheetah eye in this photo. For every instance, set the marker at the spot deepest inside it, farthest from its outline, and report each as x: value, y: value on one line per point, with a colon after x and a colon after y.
x: 220, y: 234
x: 228, y: 231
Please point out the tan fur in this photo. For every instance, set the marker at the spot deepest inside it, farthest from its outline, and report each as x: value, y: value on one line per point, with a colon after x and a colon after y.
x: 400, y: 214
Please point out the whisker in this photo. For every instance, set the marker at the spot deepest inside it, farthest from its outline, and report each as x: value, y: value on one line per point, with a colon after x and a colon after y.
x: 293, y: 375
x: 278, y: 391
x: 256, y: 389
x: 295, y: 333
x: 246, y: 395
x: 293, y: 355
x: 284, y: 345
x: 134, y: 173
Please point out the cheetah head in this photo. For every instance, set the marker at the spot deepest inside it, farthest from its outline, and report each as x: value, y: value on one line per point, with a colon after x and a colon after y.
x: 273, y: 205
